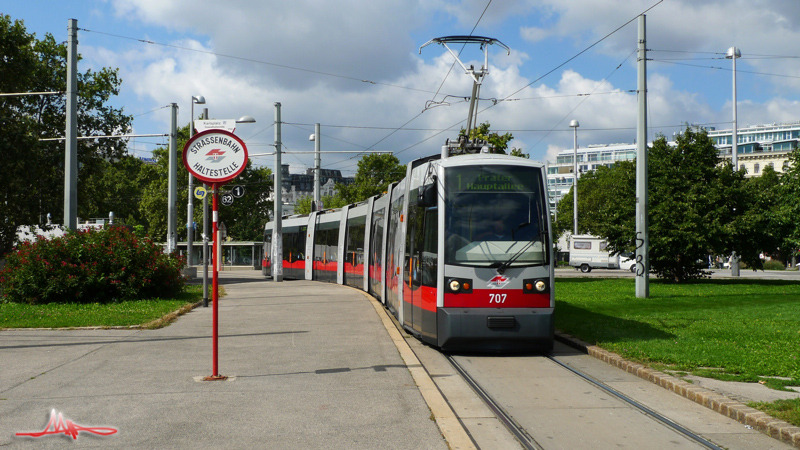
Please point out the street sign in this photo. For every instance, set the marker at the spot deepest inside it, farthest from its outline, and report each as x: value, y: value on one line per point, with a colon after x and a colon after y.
x: 237, y: 191
x: 200, y: 192
x: 226, y: 199
x: 215, y: 156
x: 203, y: 125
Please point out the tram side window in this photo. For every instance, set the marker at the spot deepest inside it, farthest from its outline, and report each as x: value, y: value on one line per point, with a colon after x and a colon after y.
x: 430, y: 247
x: 377, y: 237
x: 411, y: 267
x: 294, y: 244
x: 288, y: 246
x: 267, y: 245
x: 355, y: 241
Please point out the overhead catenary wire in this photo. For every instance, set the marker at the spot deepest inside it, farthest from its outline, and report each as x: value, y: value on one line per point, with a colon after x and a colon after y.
x: 440, y: 86
x: 395, y: 130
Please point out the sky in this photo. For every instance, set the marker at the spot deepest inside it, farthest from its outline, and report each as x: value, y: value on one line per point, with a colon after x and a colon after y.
x: 356, y: 68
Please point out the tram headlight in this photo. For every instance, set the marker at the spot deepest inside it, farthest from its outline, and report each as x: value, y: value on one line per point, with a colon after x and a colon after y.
x: 535, y: 286
x: 458, y: 285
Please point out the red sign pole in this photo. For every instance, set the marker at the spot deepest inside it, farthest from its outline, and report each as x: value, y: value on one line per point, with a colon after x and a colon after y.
x: 215, y: 283
x: 215, y: 157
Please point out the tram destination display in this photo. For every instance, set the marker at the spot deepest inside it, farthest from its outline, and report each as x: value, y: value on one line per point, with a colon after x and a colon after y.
x: 491, y: 179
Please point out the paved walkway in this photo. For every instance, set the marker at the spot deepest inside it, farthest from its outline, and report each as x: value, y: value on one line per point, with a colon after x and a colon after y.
x: 311, y: 365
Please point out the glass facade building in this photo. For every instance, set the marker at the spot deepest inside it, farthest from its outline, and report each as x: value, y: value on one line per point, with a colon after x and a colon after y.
x: 758, y: 146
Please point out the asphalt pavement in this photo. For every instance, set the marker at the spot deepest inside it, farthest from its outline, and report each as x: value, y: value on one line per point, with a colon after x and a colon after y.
x: 310, y: 366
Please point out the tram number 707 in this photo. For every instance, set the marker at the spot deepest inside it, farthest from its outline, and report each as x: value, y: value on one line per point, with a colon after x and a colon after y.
x: 497, y: 298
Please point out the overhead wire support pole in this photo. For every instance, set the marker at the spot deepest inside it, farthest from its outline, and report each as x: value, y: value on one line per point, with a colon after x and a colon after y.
x: 172, y: 181
x: 642, y: 232
x: 71, y: 132
x: 317, y: 166
x: 277, y: 232
x: 199, y: 99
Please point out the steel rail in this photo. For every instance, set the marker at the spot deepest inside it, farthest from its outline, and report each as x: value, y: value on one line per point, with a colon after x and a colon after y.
x: 644, y: 409
x: 529, y: 443
x: 526, y: 440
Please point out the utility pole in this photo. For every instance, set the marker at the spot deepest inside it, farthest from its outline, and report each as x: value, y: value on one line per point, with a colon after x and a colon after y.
x: 733, y: 54
x: 277, y: 232
x: 199, y: 99
x: 172, y: 196
x: 642, y: 233
x: 71, y: 142
x: 317, y: 164
x: 574, y: 125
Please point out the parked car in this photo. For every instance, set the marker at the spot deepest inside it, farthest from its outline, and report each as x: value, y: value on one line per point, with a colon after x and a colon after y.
x: 627, y: 261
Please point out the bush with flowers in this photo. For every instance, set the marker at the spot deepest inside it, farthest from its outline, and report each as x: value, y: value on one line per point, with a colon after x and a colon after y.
x: 93, y: 266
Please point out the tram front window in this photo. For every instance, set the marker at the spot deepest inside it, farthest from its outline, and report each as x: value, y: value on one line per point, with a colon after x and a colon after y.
x: 494, y: 214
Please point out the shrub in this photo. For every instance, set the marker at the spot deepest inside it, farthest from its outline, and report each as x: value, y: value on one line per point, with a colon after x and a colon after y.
x: 774, y: 264
x: 90, y: 267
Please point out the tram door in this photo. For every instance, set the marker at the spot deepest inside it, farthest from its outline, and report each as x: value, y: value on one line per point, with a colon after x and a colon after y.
x: 420, y: 276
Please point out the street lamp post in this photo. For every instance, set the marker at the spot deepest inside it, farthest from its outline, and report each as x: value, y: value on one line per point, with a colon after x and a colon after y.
x: 574, y: 125
x: 733, y: 54
x: 200, y: 100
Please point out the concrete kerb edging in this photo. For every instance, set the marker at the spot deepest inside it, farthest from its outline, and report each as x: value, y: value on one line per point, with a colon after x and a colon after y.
x: 448, y: 422
x: 738, y: 411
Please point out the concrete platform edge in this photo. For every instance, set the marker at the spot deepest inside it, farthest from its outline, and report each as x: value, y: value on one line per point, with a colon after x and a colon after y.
x: 449, y: 425
x: 772, y: 427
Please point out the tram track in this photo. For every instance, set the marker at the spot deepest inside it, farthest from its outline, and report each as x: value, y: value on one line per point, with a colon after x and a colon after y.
x: 530, y: 443
x: 525, y: 439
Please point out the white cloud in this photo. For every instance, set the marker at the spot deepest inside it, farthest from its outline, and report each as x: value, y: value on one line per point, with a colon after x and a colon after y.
x: 377, y: 41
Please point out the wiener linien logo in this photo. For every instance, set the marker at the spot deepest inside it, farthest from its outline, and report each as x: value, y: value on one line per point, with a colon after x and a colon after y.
x: 59, y: 425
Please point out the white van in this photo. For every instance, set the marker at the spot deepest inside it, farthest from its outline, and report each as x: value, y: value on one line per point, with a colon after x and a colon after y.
x: 590, y: 252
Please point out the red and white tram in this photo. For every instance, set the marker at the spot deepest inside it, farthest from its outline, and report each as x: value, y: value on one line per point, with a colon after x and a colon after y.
x: 460, y: 251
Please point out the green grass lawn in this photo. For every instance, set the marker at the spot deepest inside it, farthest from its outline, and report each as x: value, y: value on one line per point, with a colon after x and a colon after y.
x: 149, y: 312
x: 740, y: 330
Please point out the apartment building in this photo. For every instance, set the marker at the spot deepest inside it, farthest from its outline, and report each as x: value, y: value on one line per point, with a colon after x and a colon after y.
x: 758, y: 146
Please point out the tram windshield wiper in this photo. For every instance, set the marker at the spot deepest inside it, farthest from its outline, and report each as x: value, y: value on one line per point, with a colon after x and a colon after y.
x: 519, y: 227
x: 501, y: 267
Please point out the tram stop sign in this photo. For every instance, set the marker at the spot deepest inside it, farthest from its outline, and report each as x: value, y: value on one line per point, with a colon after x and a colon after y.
x: 215, y: 156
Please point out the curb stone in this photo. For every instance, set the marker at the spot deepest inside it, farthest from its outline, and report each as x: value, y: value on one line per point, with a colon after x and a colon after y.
x: 761, y: 421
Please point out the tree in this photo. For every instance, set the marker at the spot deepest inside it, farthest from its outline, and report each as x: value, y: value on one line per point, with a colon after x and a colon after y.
x: 244, y: 219
x: 117, y: 189
x: 303, y: 205
x: 689, y: 205
x: 789, y: 206
x: 33, y: 182
x: 698, y: 206
x: 518, y: 152
x: 375, y: 172
x: 499, y: 141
